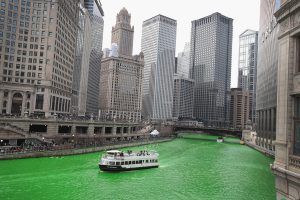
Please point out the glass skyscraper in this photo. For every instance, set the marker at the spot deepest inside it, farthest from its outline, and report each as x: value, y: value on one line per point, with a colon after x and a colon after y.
x: 210, y: 67
x: 96, y: 13
x: 248, y: 67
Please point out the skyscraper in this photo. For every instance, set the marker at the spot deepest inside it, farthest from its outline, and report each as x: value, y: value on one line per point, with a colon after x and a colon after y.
x: 239, y: 108
x: 37, y: 45
x: 248, y: 67
x: 122, y: 33
x: 210, y: 67
x: 266, y: 87
x: 96, y: 13
x: 158, y: 46
x: 121, y: 76
x: 183, y: 97
x: 183, y: 61
x: 82, y: 61
x: 85, y: 90
x: 286, y: 166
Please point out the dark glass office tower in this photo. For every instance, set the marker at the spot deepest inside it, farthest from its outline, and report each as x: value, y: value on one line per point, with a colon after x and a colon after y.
x: 210, y: 67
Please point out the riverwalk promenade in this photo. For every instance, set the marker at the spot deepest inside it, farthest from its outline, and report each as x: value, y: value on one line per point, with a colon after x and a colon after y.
x: 71, y: 150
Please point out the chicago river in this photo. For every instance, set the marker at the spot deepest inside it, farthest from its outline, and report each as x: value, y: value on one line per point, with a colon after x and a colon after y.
x: 189, y: 169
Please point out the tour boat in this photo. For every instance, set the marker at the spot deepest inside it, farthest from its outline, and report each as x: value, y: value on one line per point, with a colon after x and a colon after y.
x: 115, y: 160
x: 220, y: 139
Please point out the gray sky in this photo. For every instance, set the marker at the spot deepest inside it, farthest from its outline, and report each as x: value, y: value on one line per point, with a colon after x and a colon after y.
x: 245, y: 15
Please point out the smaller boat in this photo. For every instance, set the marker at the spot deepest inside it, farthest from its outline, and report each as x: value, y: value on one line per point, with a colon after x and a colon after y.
x: 220, y: 139
x: 117, y: 161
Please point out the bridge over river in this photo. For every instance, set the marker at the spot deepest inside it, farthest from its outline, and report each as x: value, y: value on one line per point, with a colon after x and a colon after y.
x: 209, y: 137
x: 210, y: 130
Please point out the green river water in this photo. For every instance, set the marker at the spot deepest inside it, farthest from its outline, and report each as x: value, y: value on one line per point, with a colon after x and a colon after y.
x: 189, y: 169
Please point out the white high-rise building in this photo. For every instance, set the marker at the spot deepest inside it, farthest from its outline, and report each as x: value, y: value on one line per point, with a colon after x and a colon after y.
x: 183, y: 61
x: 158, y: 46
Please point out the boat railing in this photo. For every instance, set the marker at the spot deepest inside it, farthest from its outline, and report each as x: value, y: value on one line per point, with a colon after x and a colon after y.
x: 135, y: 154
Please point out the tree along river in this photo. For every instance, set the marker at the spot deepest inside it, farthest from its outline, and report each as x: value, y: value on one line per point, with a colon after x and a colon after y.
x: 189, y: 169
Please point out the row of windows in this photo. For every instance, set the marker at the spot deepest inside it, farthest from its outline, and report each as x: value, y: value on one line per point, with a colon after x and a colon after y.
x: 133, y: 162
x: 20, y: 80
x: 21, y: 73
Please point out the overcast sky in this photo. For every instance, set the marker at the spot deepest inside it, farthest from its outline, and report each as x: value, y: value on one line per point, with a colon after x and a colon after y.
x: 245, y: 15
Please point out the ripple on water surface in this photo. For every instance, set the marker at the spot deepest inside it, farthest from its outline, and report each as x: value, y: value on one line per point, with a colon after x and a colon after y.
x: 189, y: 169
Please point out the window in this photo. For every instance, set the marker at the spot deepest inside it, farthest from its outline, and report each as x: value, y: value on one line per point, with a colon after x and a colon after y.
x: 39, y: 101
x: 296, y: 150
x: 297, y: 139
x: 298, y: 54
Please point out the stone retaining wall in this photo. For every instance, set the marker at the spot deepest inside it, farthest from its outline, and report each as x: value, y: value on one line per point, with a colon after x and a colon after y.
x: 76, y: 151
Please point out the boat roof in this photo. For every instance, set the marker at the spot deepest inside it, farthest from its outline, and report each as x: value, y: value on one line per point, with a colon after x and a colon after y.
x: 113, y: 151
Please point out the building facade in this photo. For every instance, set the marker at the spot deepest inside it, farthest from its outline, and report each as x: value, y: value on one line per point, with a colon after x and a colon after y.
x: 37, y: 45
x: 248, y: 44
x: 121, y: 88
x: 121, y: 77
x: 239, y: 108
x: 210, y: 67
x: 158, y: 46
x: 97, y: 24
x: 183, y: 61
x: 183, y: 97
x: 266, y: 87
x: 287, y: 156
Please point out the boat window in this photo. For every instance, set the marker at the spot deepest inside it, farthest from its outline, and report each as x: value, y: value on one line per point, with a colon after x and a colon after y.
x: 126, y: 162
x: 117, y: 163
x: 133, y: 162
x: 122, y: 163
x: 155, y: 160
x: 112, y: 163
x: 140, y: 161
x: 129, y: 162
x: 147, y: 161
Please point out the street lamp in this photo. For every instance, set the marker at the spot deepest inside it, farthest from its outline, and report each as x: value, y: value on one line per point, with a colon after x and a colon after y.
x: 73, y: 139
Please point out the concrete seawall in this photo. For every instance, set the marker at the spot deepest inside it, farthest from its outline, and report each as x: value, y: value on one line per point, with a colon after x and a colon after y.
x: 76, y: 151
